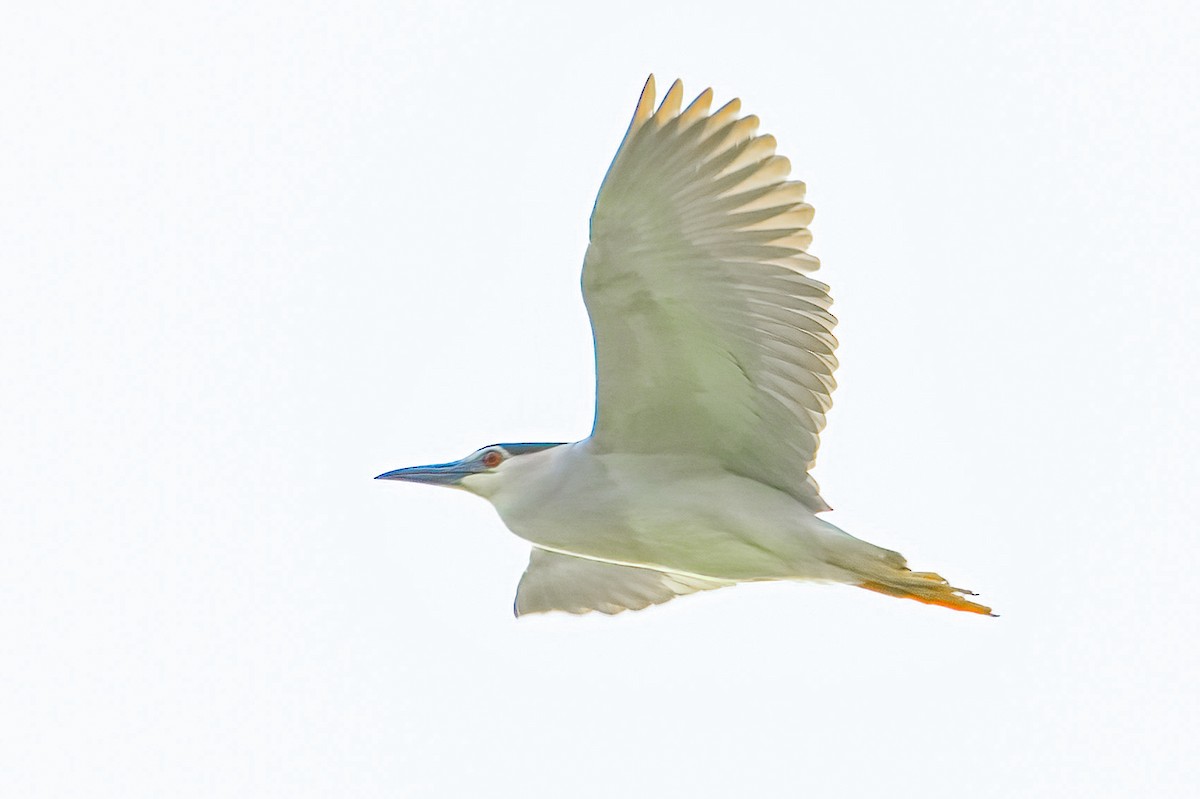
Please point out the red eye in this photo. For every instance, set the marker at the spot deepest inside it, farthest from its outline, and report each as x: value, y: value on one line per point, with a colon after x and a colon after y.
x: 492, y: 459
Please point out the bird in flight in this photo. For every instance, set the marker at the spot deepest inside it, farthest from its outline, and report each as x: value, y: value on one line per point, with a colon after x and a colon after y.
x: 714, y: 370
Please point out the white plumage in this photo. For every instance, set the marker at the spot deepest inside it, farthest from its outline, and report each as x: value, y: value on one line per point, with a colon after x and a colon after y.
x: 565, y: 582
x: 715, y: 361
x: 710, y: 337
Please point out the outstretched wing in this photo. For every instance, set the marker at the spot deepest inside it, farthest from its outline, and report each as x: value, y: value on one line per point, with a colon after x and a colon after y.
x: 554, y: 581
x: 710, y: 336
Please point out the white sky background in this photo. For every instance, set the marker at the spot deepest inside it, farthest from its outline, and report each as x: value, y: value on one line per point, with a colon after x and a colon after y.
x: 253, y: 256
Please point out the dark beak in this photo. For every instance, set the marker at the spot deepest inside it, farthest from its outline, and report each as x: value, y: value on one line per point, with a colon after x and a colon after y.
x: 441, y: 474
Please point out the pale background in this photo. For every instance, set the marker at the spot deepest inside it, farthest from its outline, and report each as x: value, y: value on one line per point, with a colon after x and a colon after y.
x: 254, y: 255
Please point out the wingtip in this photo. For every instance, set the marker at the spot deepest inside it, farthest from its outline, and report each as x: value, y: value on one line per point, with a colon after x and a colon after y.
x: 645, y: 105
x: 697, y: 108
x: 671, y: 103
x: 725, y: 115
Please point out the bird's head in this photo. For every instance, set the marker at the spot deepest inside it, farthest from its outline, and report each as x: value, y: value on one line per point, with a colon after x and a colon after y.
x: 478, y: 472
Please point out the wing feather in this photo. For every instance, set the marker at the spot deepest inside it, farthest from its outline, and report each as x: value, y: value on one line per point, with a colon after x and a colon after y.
x: 710, y: 336
x: 554, y: 581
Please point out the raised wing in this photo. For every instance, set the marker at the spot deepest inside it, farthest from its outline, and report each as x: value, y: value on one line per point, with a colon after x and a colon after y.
x: 554, y: 581
x: 710, y: 336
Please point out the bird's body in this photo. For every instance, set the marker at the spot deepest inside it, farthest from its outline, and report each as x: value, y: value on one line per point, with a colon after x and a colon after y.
x: 714, y: 359
x: 676, y: 513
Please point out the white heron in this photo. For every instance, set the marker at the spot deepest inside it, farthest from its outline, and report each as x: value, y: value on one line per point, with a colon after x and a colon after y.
x: 714, y: 369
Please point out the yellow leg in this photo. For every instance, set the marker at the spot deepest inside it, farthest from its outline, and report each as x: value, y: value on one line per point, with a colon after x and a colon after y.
x: 929, y: 588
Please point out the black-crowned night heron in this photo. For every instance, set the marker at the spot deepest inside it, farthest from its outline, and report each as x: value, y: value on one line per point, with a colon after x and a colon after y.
x: 714, y: 361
